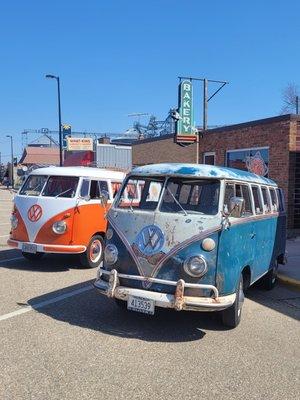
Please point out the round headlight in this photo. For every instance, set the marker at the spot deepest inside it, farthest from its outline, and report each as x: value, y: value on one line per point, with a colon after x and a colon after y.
x: 14, y: 221
x: 59, y: 227
x: 110, y: 254
x: 195, y: 266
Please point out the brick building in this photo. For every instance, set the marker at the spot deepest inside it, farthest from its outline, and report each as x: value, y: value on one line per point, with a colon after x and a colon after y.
x: 270, y: 146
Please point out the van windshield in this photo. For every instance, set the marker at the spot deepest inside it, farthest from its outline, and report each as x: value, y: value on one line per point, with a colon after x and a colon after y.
x: 61, y: 186
x: 191, y: 196
x: 179, y: 195
x: 33, y: 185
x: 141, y: 193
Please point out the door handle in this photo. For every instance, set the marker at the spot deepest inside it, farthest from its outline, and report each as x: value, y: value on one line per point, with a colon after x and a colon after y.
x: 252, y: 235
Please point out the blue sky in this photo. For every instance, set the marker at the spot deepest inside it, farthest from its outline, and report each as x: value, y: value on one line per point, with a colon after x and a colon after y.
x: 119, y: 57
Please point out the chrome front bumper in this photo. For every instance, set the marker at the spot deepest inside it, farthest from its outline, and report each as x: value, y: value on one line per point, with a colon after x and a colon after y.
x: 178, y: 301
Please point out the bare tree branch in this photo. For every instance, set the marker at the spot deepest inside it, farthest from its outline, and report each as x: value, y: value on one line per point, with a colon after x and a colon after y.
x: 290, y: 95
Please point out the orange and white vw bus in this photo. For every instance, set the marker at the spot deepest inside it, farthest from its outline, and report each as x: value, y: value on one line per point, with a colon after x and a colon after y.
x: 63, y: 210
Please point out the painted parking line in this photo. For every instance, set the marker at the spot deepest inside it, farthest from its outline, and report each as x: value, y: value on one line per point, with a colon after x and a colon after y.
x: 4, y: 223
x: 4, y: 236
x: 45, y: 303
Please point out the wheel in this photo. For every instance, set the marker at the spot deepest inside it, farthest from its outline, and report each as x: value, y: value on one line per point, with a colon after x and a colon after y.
x: 92, y: 257
x: 269, y: 280
x: 32, y: 256
x: 121, y: 304
x: 231, y: 317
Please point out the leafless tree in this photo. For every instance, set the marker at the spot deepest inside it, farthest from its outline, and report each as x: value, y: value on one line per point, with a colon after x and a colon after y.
x: 290, y: 98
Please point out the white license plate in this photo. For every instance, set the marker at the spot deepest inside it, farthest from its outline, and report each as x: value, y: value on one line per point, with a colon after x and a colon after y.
x: 29, y: 248
x: 140, y: 304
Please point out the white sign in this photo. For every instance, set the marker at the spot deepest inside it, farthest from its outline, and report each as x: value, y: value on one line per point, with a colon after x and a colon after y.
x: 79, y: 144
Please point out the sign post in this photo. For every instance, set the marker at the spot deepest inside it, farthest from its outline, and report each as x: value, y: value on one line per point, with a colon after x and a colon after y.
x: 185, y: 130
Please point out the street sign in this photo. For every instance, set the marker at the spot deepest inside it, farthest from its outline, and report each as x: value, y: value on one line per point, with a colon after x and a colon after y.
x: 79, y: 144
x: 185, y: 130
x: 66, y: 132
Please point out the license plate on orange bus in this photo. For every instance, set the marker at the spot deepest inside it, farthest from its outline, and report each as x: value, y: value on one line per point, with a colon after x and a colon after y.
x: 139, y: 304
x: 29, y: 248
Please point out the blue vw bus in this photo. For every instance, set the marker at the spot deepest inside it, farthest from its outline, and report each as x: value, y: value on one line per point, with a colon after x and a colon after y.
x: 192, y: 237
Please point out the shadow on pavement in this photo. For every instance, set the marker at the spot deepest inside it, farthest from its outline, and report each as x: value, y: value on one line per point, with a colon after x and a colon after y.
x: 13, y: 259
x: 282, y: 299
x: 93, y: 311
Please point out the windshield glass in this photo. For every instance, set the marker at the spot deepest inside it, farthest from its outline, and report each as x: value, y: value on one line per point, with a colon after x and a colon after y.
x: 191, y: 196
x: 140, y: 193
x: 33, y: 185
x: 61, y: 186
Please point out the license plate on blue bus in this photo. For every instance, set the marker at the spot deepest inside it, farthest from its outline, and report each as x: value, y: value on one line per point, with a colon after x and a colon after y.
x: 139, y: 304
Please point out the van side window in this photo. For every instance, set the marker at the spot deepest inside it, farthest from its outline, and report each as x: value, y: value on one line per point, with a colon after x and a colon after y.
x: 257, y: 200
x: 85, y: 187
x: 115, y: 187
x: 244, y: 192
x: 229, y: 192
x: 96, y: 188
x: 280, y: 199
x: 266, y: 200
x: 274, y: 201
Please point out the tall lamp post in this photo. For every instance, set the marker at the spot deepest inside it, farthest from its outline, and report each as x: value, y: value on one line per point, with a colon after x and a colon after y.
x: 12, y: 160
x: 59, y: 119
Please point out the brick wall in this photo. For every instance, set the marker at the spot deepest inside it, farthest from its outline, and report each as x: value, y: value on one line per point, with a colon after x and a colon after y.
x: 281, y: 134
x: 162, y: 150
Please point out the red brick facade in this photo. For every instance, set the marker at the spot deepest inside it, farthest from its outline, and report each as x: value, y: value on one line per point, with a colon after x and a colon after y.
x: 280, y: 134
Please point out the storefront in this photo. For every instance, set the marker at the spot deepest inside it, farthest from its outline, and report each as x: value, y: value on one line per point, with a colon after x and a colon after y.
x: 268, y: 147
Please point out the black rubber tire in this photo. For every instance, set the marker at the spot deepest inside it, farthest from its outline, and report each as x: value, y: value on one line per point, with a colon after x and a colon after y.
x: 32, y: 256
x: 270, y: 279
x: 85, y: 258
x: 231, y: 316
x: 121, y: 304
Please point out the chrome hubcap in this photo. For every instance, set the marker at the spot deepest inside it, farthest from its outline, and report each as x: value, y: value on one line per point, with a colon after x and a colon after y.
x: 95, y: 251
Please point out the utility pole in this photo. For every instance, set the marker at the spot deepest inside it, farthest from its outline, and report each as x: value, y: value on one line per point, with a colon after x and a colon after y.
x: 12, y: 160
x: 297, y: 104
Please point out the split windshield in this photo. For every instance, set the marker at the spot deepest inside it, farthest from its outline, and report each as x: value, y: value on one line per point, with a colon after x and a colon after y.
x: 178, y: 195
x: 56, y: 186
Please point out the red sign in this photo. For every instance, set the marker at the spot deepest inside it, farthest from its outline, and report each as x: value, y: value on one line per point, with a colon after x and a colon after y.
x: 34, y: 213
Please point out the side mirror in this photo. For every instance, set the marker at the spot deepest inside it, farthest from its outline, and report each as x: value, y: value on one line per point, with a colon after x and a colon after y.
x: 237, y: 207
x: 104, y: 196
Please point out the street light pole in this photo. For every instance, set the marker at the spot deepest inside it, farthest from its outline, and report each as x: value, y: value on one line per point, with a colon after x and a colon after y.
x: 59, y: 118
x: 12, y: 160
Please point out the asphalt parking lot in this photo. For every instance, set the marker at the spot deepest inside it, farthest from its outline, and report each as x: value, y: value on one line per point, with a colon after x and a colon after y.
x: 59, y: 339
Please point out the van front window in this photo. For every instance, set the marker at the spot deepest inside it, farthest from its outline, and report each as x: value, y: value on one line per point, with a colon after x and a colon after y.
x: 141, y: 193
x: 191, y: 196
x: 33, y: 185
x: 61, y: 186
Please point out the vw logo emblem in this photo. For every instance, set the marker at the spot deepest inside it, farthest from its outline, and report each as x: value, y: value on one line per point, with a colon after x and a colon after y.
x: 34, y: 213
x: 150, y: 240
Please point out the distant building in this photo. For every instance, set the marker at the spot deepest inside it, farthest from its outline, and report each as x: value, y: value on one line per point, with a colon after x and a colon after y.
x: 269, y: 147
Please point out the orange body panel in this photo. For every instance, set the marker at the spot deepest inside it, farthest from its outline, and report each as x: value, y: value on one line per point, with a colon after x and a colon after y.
x: 88, y: 220
x: 20, y: 233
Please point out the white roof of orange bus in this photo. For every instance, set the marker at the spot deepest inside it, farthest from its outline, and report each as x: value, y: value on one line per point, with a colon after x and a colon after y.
x: 80, y: 171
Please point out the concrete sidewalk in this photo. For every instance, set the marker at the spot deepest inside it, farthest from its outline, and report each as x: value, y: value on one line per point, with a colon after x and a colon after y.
x: 290, y: 273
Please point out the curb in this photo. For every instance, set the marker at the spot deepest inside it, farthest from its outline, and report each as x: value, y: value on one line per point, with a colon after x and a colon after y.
x: 289, y: 281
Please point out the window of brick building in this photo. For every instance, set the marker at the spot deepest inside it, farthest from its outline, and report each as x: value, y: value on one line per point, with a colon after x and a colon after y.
x: 255, y: 160
x: 209, y: 158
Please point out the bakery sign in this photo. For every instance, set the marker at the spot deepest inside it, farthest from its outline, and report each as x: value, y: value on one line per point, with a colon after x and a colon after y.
x: 79, y: 144
x: 185, y: 130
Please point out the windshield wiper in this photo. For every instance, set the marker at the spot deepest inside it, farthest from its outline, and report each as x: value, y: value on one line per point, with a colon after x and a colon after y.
x: 177, y: 202
x: 66, y: 191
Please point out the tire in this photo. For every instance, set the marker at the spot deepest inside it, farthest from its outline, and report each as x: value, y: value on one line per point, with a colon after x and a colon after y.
x: 270, y: 279
x: 231, y: 317
x: 93, y: 255
x: 121, y: 304
x: 32, y: 256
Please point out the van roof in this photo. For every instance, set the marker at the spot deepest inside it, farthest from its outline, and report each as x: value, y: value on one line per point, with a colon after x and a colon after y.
x: 80, y: 171
x: 201, y: 170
